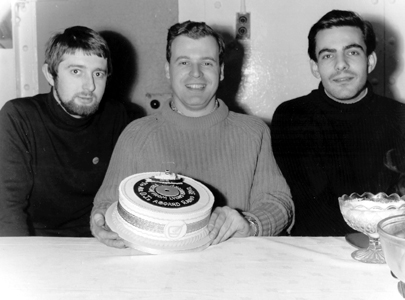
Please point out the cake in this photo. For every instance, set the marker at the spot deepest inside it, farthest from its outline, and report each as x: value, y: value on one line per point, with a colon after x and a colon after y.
x: 162, y: 212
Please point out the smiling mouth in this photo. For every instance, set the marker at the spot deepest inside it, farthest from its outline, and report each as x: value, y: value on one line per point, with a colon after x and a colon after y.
x: 196, y: 86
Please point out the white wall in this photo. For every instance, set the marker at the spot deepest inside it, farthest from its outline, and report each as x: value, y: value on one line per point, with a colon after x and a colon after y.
x: 276, y: 66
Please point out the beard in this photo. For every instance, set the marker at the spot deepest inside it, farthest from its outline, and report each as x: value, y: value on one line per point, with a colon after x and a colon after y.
x: 72, y: 108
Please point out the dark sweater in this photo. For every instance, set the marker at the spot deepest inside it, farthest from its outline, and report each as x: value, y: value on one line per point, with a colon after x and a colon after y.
x: 52, y: 165
x: 326, y: 149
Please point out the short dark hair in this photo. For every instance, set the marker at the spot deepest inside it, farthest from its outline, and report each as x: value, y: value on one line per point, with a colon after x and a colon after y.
x: 194, y: 30
x: 77, y: 38
x: 340, y: 18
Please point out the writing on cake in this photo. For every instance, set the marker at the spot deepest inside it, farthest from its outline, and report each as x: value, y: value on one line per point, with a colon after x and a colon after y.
x: 166, y: 194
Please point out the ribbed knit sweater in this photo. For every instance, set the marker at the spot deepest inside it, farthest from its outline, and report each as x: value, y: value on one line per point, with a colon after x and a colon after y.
x: 52, y: 165
x: 228, y: 152
x: 326, y: 149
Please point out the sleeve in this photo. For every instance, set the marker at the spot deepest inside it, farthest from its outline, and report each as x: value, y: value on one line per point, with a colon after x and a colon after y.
x: 270, y: 204
x: 122, y: 164
x: 294, y: 149
x: 16, y: 176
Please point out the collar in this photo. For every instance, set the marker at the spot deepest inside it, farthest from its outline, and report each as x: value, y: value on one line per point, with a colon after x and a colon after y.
x: 62, y: 119
x: 363, y: 102
x: 195, y: 123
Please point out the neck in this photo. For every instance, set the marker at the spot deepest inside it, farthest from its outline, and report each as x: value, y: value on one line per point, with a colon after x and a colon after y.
x: 213, y: 105
x: 56, y: 96
x: 362, y: 94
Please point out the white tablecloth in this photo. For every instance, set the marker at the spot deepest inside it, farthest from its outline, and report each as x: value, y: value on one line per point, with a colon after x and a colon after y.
x: 239, y: 269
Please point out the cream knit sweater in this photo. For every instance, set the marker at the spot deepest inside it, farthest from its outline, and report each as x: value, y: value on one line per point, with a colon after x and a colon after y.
x: 228, y: 152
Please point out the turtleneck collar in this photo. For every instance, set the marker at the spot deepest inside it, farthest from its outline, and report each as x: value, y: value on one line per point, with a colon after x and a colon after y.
x: 62, y: 119
x: 365, y: 101
x: 192, y: 123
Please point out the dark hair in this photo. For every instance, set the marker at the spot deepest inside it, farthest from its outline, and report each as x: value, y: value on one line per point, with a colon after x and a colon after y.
x: 77, y: 38
x: 194, y: 30
x: 340, y: 18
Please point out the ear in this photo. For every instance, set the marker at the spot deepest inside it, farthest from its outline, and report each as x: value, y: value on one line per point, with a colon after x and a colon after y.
x: 314, y: 69
x: 221, y: 73
x: 167, y: 70
x: 48, y: 75
x: 372, y: 62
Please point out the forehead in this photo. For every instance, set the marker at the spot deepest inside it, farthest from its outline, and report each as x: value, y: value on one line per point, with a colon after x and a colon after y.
x: 339, y: 37
x: 203, y: 47
x: 80, y: 58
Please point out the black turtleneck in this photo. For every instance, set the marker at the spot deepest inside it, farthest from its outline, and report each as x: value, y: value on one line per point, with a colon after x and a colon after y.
x: 326, y: 149
x: 53, y: 164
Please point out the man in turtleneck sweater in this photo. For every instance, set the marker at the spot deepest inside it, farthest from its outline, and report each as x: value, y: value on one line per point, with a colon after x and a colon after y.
x: 228, y: 152
x: 334, y: 140
x: 55, y: 148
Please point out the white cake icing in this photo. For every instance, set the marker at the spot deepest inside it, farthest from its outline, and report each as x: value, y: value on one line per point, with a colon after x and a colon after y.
x: 162, y: 212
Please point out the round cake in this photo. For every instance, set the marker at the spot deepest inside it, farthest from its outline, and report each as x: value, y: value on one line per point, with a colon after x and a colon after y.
x: 162, y: 212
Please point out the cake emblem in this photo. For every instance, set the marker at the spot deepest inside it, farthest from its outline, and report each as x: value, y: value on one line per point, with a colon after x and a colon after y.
x: 175, y: 230
x: 166, y: 193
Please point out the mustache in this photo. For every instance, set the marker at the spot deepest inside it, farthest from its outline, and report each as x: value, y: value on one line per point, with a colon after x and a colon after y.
x: 85, y: 95
x: 342, y: 73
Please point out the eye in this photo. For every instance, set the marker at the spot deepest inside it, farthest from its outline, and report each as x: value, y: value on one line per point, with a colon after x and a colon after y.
x: 208, y: 64
x: 326, y: 56
x: 354, y: 52
x: 100, y: 74
x: 183, y: 63
x: 75, y: 71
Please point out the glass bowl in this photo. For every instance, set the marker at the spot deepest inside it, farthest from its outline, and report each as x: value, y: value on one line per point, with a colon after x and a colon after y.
x: 392, y: 237
x: 363, y: 212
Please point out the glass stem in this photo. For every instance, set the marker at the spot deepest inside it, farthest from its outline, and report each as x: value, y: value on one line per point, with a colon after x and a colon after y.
x: 374, y: 244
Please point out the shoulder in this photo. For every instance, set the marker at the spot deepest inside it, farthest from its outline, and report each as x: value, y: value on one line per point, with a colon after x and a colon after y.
x: 23, y: 106
x: 143, y: 127
x: 251, y: 125
x: 299, y: 104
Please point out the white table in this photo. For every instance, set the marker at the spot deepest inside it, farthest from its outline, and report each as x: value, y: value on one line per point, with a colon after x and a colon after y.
x: 239, y: 269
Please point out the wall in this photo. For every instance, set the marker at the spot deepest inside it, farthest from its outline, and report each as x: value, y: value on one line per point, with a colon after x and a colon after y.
x: 273, y: 65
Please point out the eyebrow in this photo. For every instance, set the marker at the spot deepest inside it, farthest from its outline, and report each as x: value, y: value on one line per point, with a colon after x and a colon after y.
x: 202, y: 58
x: 354, y: 45
x: 84, y: 67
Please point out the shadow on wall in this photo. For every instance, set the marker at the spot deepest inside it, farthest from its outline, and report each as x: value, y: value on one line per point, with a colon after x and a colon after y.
x: 233, y: 70
x: 389, y: 64
x: 121, y: 83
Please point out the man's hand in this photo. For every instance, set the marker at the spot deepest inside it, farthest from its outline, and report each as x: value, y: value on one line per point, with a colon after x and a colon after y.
x: 226, y: 222
x: 102, y: 232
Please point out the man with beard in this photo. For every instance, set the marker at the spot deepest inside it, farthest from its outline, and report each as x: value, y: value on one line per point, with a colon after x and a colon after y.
x: 333, y: 141
x: 55, y: 147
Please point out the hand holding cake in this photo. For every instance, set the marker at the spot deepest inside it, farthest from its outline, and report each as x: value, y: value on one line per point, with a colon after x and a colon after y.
x: 102, y: 232
x: 225, y: 223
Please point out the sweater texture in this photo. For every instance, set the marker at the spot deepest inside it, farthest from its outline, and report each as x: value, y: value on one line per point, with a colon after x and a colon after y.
x: 326, y: 149
x: 52, y: 165
x: 230, y: 153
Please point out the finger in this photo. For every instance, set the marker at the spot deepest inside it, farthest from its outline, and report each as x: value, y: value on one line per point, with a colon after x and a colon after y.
x: 216, y: 222
x: 99, y: 219
x: 212, y: 221
x: 223, y: 226
x: 119, y: 243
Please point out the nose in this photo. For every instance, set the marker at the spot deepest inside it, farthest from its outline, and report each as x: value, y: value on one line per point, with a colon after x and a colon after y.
x: 195, y: 70
x: 341, y: 63
x: 88, y: 84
